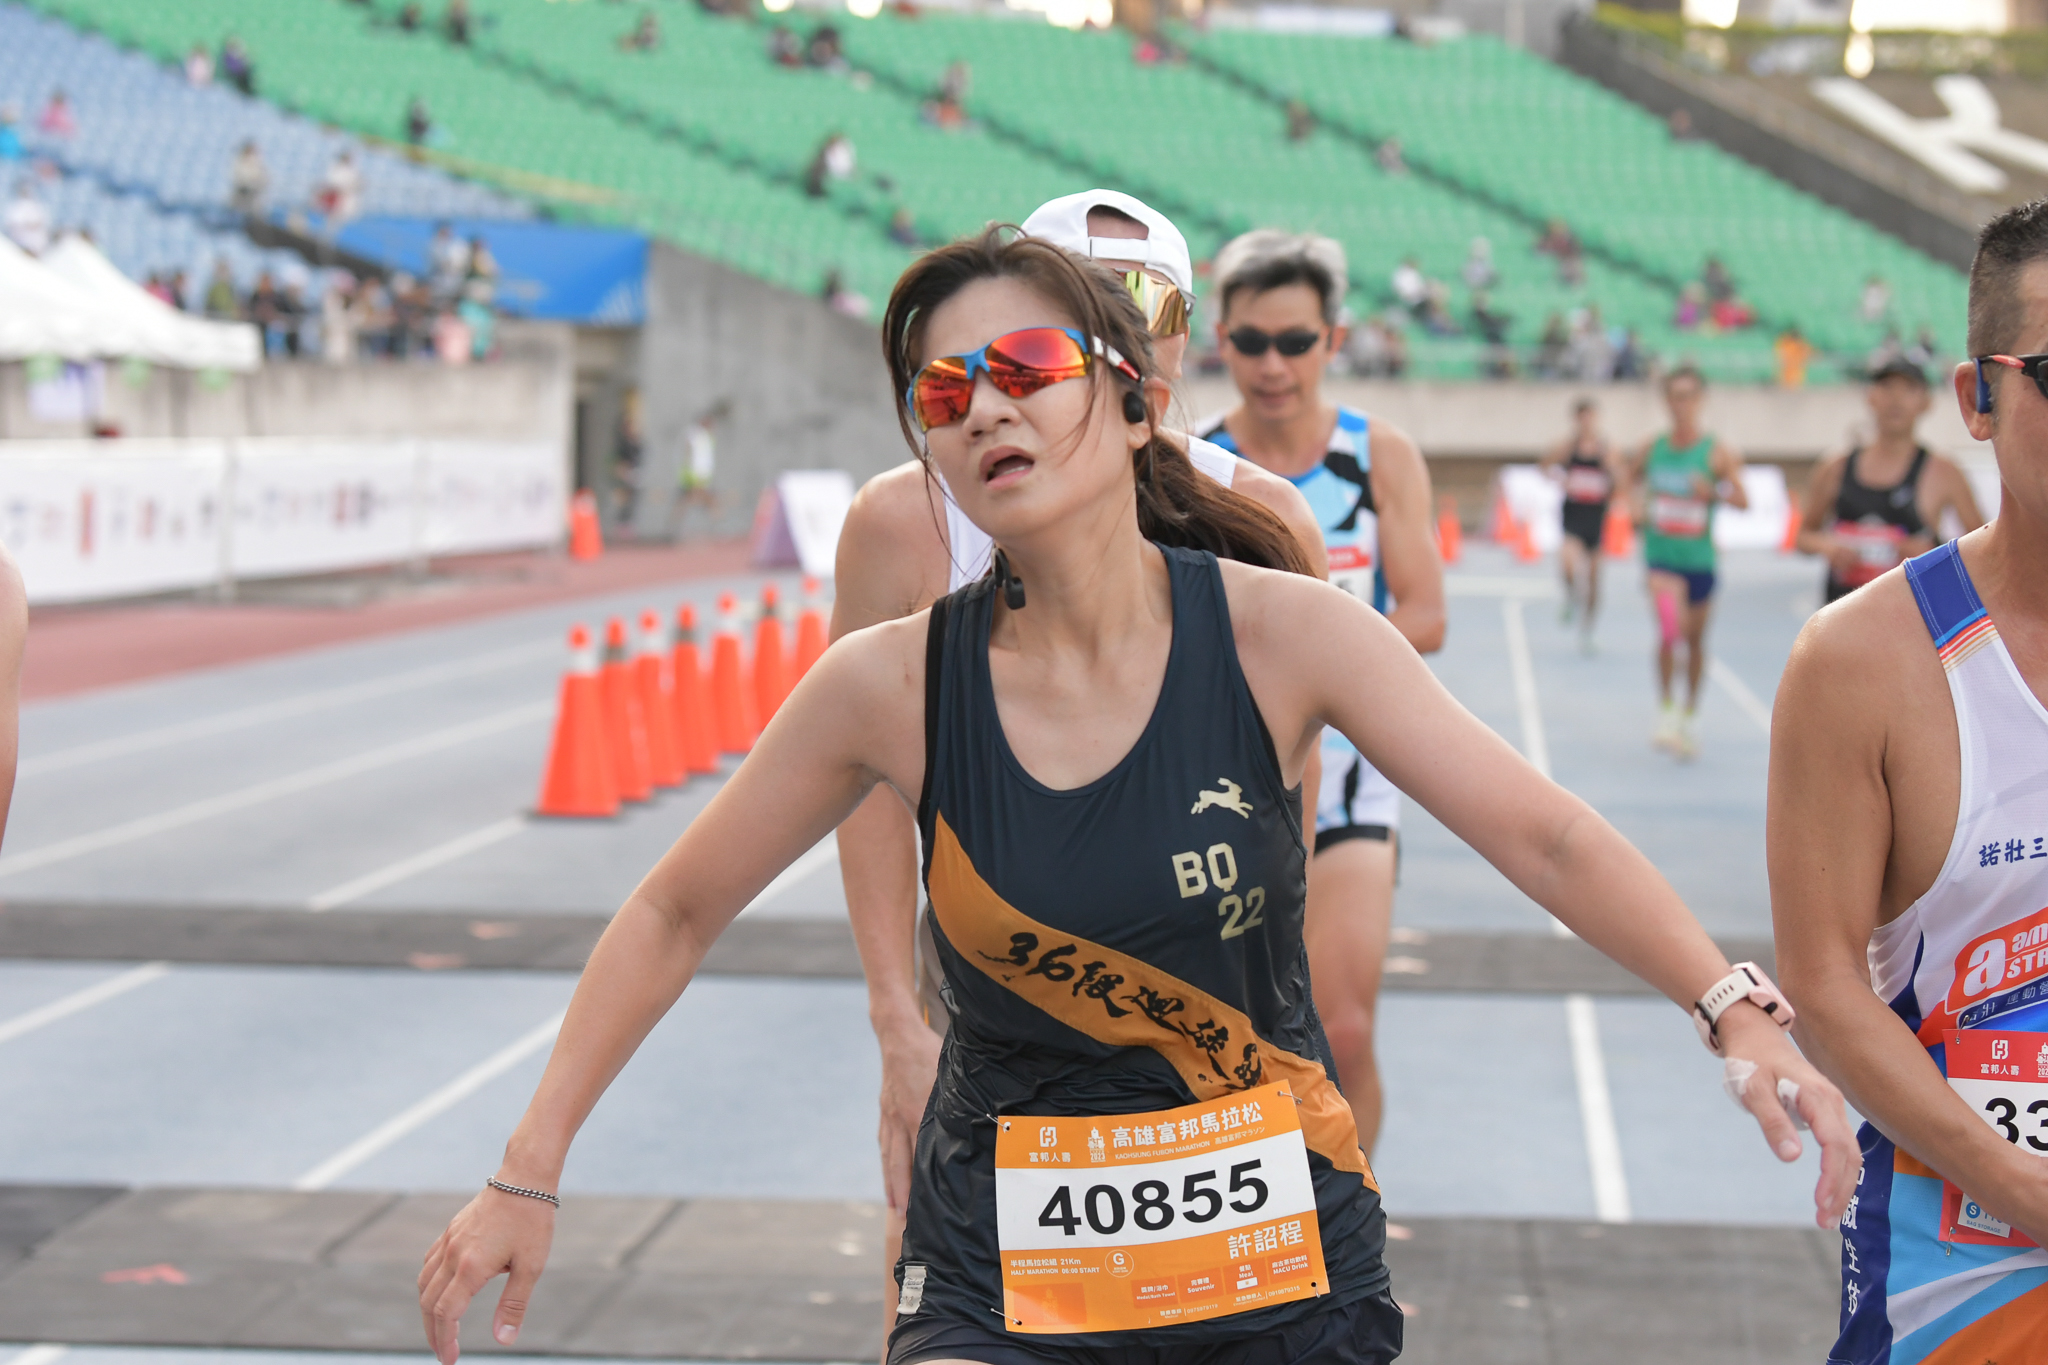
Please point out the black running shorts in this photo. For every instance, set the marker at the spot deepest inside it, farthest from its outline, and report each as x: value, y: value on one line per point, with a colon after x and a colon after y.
x: 1367, y: 1332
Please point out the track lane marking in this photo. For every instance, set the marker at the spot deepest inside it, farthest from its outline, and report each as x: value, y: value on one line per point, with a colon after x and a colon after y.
x: 1746, y: 701
x: 81, y: 1000
x: 459, y: 847
x: 429, y: 1108
x: 228, y: 802
x: 824, y: 852
x: 207, y: 726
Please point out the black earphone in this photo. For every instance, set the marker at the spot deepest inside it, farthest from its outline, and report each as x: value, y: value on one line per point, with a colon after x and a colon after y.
x: 1134, y: 407
x: 1012, y: 586
x: 1983, y: 390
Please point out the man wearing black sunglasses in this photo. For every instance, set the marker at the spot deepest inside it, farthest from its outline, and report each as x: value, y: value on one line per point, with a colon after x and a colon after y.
x: 1282, y: 299
x: 1908, y: 847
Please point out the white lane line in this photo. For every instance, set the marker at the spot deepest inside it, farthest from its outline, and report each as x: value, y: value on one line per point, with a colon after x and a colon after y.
x: 1746, y: 701
x: 206, y: 726
x: 80, y: 1001
x: 42, y: 1353
x: 823, y: 854
x: 1596, y: 1112
x: 458, y: 847
x: 227, y: 802
x: 1529, y: 710
x: 428, y: 1109
x: 1496, y: 585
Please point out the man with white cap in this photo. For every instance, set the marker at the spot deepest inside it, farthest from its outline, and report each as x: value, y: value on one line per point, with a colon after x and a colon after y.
x: 897, y: 554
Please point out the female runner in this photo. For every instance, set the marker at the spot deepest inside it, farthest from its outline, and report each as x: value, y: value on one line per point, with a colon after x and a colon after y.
x: 1134, y: 1141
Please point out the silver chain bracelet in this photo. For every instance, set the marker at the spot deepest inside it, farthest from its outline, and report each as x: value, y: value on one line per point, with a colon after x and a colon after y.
x: 498, y: 1184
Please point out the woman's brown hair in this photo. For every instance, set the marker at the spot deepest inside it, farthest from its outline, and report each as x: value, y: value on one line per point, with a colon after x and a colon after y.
x: 1177, y: 503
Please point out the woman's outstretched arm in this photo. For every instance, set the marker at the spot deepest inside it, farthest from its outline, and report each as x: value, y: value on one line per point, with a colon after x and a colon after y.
x: 856, y: 720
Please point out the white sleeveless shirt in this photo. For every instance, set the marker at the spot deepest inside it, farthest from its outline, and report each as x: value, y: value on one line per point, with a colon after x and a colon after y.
x: 971, y: 549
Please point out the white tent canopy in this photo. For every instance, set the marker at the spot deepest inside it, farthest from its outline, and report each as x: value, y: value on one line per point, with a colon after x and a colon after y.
x: 173, y: 338
x: 75, y: 305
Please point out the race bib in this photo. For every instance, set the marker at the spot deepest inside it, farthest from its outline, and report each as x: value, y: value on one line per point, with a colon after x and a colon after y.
x: 1143, y: 1220
x: 1683, y: 518
x: 2003, y: 1077
x: 1351, y: 570
x: 1879, y: 547
x: 1584, y: 483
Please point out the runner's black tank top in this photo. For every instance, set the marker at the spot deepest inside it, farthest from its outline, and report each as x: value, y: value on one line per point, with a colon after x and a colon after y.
x: 1586, y: 479
x: 1095, y: 966
x: 1897, y: 506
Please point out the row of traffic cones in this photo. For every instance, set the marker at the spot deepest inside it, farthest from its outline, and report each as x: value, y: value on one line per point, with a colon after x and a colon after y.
x: 1617, y: 532
x: 648, y: 713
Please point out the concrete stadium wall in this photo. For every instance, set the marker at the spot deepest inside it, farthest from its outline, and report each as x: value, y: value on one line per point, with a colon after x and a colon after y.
x: 805, y: 387
x: 526, y: 394
x: 1849, y: 171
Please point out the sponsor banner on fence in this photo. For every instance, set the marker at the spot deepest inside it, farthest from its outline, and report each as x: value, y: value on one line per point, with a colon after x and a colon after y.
x: 90, y: 520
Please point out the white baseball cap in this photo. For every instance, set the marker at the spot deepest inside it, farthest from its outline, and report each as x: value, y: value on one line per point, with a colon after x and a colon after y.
x: 1064, y: 222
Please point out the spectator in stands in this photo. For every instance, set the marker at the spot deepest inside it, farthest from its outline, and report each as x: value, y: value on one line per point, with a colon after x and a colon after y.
x: 452, y: 341
x: 1629, y: 360
x: 1793, y: 352
x: 57, y: 120
x: 483, y: 267
x: 1410, y: 286
x: 1389, y: 157
x: 1479, y: 268
x: 1876, y: 304
x: 1692, y: 307
x: 1435, y: 314
x: 11, y: 150
x: 477, y: 317
x: 409, y: 18
x: 412, y: 316
x: 199, y: 67
x: 27, y: 219
x: 340, y: 197
x: 447, y: 261
x: 1731, y: 314
x: 419, y: 124
x: 784, y: 47
x: 220, y: 301
x: 948, y: 116
x: 181, y: 291
x: 1680, y: 124
x: 825, y: 51
x: 1300, y: 121
x: 338, y: 319
x: 1488, y: 321
x: 903, y: 228
x: 841, y: 299
x: 1715, y: 279
x: 1923, y: 349
x: 457, y: 21
x: 248, y: 179
x: 1557, y: 240
x: 373, y: 318
x: 1589, y: 356
x: 646, y: 35
x: 1551, y: 348
x: 956, y: 82
x: 235, y: 67
x: 834, y: 160
x: 266, y: 310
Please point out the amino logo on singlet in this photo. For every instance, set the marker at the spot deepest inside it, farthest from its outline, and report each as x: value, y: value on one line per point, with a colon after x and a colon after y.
x: 1995, y: 973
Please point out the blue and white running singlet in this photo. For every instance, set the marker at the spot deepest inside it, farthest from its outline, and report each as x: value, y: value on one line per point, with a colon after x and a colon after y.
x: 1354, y: 795
x: 1928, y: 1277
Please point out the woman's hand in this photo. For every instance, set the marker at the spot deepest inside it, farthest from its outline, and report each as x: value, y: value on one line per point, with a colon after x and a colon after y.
x: 1750, y: 1035
x: 495, y: 1234
x: 910, y: 1067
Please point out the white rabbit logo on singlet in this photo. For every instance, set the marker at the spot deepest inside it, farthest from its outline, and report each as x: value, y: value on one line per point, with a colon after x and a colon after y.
x: 1230, y: 798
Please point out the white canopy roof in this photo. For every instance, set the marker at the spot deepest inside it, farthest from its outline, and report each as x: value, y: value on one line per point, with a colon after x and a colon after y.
x: 75, y: 304
x: 168, y: 336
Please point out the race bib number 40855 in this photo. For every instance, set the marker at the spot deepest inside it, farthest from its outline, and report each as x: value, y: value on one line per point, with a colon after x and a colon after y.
x: 1142, y: 1220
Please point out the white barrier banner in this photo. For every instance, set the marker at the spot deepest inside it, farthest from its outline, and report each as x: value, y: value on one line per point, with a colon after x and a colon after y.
x: 94, y: 519
x: 101, y: 525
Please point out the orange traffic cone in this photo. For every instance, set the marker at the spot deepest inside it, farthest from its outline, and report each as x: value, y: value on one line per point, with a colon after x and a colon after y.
x: 624, y: 718
x: 579, y: 778
x: 1450, y: 536
x: 586, y: 537
x: 729, y: 703
x: 810, y: 632
x: 650, y: 672
x: 694, y: 735
x: 1792, y: 520
x: 1525, y: 543
x: 1500, y: 528
x: 1617, y: 533
x: 771, y: 659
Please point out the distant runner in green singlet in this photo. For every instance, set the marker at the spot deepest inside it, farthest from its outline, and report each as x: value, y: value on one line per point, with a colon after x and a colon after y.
x: 1679, y: 477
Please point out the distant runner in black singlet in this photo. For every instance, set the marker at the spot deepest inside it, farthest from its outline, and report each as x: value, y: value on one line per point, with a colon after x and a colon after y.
x: 1134, y: 1153
x: 1588, y: 462
x: 1883, y: 502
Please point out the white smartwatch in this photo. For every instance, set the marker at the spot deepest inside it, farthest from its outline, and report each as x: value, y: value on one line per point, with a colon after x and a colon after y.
x: 1746, y: 982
